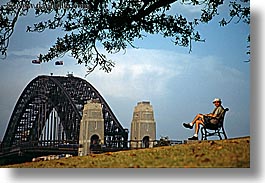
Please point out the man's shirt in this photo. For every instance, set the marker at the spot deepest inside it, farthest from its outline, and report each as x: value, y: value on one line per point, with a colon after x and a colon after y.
x: 218, y: 111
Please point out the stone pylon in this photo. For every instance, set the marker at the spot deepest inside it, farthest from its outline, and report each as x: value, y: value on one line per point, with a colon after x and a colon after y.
x: 91, y: 127
x: 143, y: 126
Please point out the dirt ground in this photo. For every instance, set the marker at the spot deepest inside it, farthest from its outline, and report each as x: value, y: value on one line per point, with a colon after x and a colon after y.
x: 194, y: 154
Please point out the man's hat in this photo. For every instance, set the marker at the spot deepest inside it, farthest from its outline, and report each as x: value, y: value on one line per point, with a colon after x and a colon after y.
x: 217, y: 100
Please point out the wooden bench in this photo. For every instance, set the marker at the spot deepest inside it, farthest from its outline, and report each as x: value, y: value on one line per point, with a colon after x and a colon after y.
x: 214, y: 129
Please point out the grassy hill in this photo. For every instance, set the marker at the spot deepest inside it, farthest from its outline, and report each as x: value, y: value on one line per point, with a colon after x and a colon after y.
x: 208, y: 154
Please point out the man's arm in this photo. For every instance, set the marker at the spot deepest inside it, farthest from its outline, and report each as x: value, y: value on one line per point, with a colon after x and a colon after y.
x: 216, y: 113
x: 211, y: 115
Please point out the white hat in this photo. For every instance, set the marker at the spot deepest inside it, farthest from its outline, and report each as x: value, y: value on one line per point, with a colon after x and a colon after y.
x: 217, y: 100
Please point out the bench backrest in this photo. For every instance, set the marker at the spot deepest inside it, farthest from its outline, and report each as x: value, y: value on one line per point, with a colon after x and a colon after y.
x: 221, y: 120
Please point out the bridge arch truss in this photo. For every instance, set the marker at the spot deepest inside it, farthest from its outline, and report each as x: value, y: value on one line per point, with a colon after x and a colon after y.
x: 49, y: 111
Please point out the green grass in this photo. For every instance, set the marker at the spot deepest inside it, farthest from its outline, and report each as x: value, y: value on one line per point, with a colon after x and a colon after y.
x: 203, y: 154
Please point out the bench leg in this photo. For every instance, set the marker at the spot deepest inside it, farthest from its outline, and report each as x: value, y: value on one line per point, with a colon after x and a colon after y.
x: 219, y: 134
x: 224, y: 133
x: 203, y: 133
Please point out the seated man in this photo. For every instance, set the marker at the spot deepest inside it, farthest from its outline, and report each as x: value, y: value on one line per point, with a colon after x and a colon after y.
x: 202, y: 119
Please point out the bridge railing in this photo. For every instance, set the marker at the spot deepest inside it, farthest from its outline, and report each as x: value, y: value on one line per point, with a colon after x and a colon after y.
x: 42, y: 143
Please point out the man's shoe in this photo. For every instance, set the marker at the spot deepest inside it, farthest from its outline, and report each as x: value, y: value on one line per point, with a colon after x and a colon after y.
x: 193, y: 138
x: 187, y: 125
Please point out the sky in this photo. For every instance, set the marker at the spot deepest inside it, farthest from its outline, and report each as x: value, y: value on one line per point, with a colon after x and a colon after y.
x: 177, y: 83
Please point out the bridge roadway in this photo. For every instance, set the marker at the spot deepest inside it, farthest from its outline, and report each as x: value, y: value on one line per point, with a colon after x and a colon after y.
x: 26, y: 152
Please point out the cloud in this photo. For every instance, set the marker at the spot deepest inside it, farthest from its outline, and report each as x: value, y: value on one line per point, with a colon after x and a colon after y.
x: 188, y: 10
x: 139, y: 73
x: 145, y: 73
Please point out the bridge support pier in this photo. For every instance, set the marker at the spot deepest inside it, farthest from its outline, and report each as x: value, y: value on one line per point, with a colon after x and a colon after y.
x: 91, y: 128
x: 143, y: 126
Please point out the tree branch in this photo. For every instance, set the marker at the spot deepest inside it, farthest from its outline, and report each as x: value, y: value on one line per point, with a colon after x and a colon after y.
x: 158, y: 4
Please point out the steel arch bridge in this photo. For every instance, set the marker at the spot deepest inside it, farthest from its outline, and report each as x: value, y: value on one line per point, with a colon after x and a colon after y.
x: 47, y: 117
